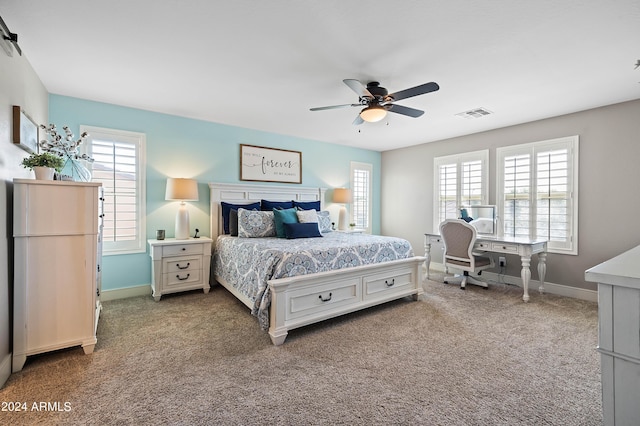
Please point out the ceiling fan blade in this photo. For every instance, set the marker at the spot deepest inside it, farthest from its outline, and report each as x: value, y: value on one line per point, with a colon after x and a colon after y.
x: 357, y: 87
x: 399, y: 109
x: 358, y: 121
x: 334, y: 107
x: 415, y: 91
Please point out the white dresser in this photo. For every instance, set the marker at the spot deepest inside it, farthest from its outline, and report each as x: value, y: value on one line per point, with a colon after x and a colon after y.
x: 179, y: 265
x: 619, y: 336
x: 57, y: 241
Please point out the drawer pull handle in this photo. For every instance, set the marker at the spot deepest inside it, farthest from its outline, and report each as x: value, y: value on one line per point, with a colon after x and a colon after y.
x: 389, y: 284
x: 184, y: 248
x: 323, y: 299
x: 182, y: 279
x: 182, y: 267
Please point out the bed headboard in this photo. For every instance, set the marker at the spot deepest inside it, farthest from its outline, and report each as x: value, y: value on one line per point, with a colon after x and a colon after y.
x: 241, y: 193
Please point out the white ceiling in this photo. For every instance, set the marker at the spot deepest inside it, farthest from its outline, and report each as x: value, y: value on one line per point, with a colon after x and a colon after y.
x: 263, y: 64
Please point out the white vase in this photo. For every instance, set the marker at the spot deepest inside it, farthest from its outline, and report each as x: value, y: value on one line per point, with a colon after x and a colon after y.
x: 44, y: 173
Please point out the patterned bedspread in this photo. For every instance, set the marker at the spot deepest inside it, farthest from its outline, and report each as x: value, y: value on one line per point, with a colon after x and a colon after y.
x: 248, y: 263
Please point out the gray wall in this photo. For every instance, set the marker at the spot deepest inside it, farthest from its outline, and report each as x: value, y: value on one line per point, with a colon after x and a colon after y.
x: 609, y: 185
x: 19, y: 85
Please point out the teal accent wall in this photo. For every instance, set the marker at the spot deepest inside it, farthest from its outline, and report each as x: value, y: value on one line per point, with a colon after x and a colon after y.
x: 205, y: 151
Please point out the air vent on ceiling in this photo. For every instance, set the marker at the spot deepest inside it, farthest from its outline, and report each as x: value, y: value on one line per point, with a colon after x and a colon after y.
x: 474, y: 113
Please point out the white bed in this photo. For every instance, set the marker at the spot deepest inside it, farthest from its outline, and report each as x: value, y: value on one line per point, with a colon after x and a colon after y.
x: 306, y: 299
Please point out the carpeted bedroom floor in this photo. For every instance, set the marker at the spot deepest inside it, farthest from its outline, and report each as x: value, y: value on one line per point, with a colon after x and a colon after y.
x: 478, y: 357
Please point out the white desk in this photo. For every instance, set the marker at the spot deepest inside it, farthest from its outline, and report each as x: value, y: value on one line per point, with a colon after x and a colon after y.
x: 525, y: 248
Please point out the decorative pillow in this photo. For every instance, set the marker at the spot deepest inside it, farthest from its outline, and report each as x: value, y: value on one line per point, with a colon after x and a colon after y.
x: 255, y: 224
x: 268, y: 206
x: 301, y: 230
x: 307, y: 205
x: 226, y: 209
x: 281, y: 217
x: 307, y: 216
x: 324, y: 221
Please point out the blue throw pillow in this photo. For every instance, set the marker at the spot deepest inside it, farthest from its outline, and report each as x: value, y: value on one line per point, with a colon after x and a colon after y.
x: 301, y: 230
x: 284, y: 216
x: 267, y: 206
x: 307, y: 205
x: 226, y: 209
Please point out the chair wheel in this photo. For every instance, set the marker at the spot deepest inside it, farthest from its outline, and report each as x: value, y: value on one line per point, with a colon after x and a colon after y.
x: 462, y: 288
x: 446, y: 282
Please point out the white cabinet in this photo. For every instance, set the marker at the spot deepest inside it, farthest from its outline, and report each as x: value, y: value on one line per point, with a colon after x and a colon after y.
x: 179, y: 265
x: 619, y: 336
x: 57, y: 248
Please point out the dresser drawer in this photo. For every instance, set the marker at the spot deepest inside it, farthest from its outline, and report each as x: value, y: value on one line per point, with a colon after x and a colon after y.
x: 182, y: 264
x: 325, y: 298
x: 181, y: 278
x: 381, y: 285
x: 505, y: 247
x: 182, y: 249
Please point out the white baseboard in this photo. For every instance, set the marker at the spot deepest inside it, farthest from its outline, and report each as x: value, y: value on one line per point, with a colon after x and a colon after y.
x: 124, y: 293
x: 5, y: 369
x: 551, y: 288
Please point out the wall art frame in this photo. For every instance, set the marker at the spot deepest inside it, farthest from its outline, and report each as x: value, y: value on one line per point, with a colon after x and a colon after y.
x: 262, y: 164
x: 25, y: 130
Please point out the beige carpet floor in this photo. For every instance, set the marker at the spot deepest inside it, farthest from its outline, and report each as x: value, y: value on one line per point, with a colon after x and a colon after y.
x: 478, y: 357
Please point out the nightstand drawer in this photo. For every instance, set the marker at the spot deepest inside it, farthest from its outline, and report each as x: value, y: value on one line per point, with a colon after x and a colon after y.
x: 181, y: 278
x: 183, y: 264
x: 181, y: 249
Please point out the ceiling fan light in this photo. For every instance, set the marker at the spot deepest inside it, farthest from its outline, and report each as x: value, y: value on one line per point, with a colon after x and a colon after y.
x: 373, y: 113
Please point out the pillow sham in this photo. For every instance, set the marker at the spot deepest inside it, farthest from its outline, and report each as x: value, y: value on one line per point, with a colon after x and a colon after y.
x: 268, y: 206
x: 281, y: 217
x: 307, y: 205
x: 226, y: 209
x: 301, y: 230
x: 324, y: 221
x: 255, y: 224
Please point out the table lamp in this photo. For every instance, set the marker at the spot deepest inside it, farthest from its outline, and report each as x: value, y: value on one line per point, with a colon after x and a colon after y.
x: 179, y: 189
x: 342, y: 196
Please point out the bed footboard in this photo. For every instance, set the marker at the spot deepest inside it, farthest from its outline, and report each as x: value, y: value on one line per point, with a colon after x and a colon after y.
x: 307, y: 299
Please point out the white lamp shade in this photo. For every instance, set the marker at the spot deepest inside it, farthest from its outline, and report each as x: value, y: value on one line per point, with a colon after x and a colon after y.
x: 179, y: 189
x: 341, y: 195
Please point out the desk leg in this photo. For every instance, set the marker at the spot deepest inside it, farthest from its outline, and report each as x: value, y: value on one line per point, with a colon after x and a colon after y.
x: 526, y: 276
x: 427, y: 255
x: 542, y: 270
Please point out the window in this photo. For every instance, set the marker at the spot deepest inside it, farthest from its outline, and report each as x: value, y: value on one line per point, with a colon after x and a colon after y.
x: 537, y: 190
x: 361, y: 189
x: 119, y: 158
x: 459, y: 180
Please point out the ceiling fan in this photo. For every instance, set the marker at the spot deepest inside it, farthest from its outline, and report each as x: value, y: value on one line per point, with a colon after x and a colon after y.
x: 377, y: 100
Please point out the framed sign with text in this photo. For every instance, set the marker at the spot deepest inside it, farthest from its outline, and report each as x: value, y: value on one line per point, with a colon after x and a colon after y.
x: 262, y: 164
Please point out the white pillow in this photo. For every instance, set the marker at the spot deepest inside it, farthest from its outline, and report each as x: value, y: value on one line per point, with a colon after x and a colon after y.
x: 307, y: 216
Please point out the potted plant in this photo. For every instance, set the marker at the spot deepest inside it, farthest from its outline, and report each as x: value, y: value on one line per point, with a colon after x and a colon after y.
x: 43, y: 164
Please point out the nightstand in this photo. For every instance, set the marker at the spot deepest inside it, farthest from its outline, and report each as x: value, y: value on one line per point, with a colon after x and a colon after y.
x: 179, y: 265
